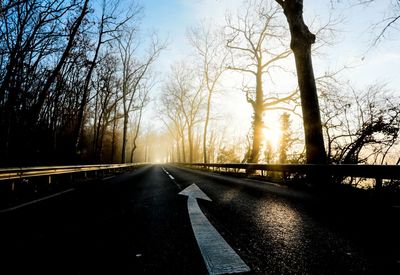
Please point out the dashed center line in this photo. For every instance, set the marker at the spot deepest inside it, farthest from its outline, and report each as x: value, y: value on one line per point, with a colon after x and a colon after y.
x: 171, y: 177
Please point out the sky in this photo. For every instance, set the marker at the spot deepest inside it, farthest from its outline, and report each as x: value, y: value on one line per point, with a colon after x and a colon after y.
x: 353, y: 44
x: 171, y: 18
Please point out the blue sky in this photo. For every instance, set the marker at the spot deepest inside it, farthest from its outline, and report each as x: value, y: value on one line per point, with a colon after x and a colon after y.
x: 370, y: 65
x: 171, y: 18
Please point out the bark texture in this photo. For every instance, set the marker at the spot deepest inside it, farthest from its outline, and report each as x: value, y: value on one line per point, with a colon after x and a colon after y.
x: 301, y: 42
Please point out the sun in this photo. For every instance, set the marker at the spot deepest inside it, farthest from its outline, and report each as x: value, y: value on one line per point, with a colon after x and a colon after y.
x: 272, y: 135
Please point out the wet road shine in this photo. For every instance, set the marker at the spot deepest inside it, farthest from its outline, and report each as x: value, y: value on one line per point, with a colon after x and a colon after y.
x: 136, y: 223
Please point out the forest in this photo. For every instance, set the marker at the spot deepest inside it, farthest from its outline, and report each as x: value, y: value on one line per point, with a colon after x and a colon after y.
x: 77, y: 78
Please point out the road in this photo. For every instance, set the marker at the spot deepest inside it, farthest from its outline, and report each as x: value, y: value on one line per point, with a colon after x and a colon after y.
x: 137, y: 223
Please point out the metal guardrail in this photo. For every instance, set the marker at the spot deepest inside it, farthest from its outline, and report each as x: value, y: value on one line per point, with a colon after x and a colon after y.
x: 24, y: 184
x: 346, y: 170
x: 28, y: 172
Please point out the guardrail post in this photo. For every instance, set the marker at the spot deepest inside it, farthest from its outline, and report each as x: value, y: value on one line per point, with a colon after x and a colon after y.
x: 284, y: 176
x: 378, y: 183
x: 49, y: 179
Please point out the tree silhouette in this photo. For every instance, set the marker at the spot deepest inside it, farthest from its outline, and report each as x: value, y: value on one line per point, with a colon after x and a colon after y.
x: 301, y: 42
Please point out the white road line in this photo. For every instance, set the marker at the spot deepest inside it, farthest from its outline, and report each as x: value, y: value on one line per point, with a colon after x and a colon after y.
x: 107, y: 178
x: 218, y: 256
x: 166, y: 172
x: 172, y: 178
x: 36, y: 201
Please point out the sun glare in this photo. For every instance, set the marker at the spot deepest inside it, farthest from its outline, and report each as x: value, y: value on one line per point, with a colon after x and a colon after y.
x: 272, y: 135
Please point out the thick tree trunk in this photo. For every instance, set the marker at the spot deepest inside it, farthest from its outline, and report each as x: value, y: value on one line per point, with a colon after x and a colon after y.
x: 315, y: 151
x: 258, y: 108
x: 257, y: 138
x: 301, y: 41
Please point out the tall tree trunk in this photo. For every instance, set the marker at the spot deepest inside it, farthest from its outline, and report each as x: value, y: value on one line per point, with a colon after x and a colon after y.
x: 85, y: 95
x: 100, y: 142
x: 8, y: 115
x: 205, y: 159
x: 114, y: 135
x: 183, y: 146
x: 190, y: 140
x: 178, y: 151
x: 134, y: 146
x: 71, y: 40
x: 124, y: 137
x: 258, y: 107
x: 146, y: 154
x: 301, y: 41
x: 99, y: 128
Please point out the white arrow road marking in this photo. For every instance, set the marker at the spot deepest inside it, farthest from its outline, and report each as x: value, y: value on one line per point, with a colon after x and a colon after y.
x: 218, y: 256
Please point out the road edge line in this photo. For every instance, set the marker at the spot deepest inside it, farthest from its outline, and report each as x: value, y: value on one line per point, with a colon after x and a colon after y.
x: 36, y: 201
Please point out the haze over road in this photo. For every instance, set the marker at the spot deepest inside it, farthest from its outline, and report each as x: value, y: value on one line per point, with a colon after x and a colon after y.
x: 136, y: 223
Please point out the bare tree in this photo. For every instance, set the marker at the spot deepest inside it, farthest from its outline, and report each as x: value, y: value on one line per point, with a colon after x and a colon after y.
x: 362, y: 126
x: 184, y: 91
x: 143, y: 100
x: 257, y: 43
x: 55, y: 58
x: 301, y: 42
x: 389, y: 21
x: 134, y: 73
x: 228, y: 155
x: 106, y: 100
x: 208, y: 44
x: 172, y: 117
x: 107, y: 27
x: 36, y: 53
x: 285, y: 138
x: 53, y: 75
x: 11, y: 4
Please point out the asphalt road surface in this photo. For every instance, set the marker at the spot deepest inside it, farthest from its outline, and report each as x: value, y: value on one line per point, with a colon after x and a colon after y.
x: 137, y: 223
